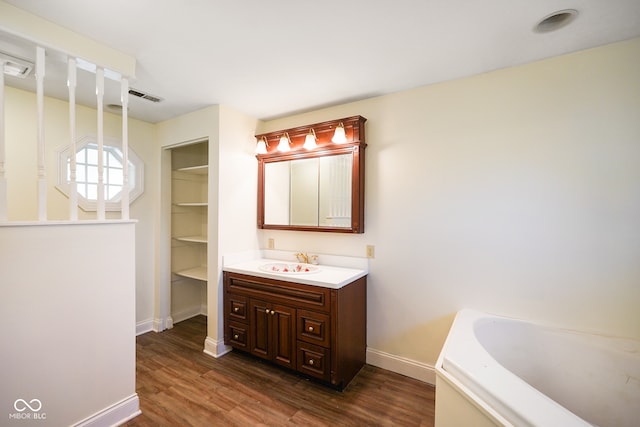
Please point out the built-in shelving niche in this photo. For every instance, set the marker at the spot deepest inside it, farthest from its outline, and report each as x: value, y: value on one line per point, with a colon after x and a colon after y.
x: 189, y: 212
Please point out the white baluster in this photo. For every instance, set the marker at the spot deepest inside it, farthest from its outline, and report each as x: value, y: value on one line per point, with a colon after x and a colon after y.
x: 124, y: 84
x: 42, y: 177
x: 100, y: 100
x: 73, y: 186
x: 3, y: 179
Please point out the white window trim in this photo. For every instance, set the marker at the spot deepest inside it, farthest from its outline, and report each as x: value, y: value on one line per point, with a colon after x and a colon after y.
x: 92, y: 205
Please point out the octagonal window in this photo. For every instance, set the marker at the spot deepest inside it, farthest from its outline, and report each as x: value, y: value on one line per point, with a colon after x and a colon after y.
x: 87, y: 173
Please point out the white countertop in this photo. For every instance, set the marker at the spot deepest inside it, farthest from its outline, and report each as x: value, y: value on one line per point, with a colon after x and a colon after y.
x: 328, y: 276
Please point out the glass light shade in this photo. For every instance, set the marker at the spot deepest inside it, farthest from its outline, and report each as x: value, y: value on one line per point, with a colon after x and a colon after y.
x: 339, y: 136
x: 261, y: 148
x: 310, y: 140
x: 284, y: 143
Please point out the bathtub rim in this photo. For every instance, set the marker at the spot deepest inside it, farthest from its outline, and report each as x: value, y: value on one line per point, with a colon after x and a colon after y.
x: 462, y: 390
x: 467, y: 394
x: 512, y: 406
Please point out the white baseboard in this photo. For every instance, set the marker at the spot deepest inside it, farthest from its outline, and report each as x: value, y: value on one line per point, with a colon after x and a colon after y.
x: 160, y: 325
x: 401, y: 365
x: 215, y: 348
x: 114, y: 415
x: 145, y: 326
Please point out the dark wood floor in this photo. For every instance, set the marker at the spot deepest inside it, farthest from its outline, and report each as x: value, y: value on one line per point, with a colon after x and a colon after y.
x: 179, y: 385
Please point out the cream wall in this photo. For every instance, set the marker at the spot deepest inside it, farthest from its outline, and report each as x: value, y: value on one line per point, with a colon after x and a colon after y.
x: 237, y: 198
x: 68, y: 332
x: 516, y: 192
x: 21, y: 170
x: 201, y: 125
x: 232, y: 199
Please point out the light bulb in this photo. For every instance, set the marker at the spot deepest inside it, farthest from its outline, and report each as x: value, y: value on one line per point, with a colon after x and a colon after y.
x: 283, y: 146
x: 339, y: 136
x: 310, y: 140
x: 261, y: 148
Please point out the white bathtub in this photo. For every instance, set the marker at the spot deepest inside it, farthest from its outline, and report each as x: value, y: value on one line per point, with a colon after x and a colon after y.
x: 500, y: 371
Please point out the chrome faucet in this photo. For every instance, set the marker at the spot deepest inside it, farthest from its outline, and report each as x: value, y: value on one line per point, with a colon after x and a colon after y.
x: 302, y: 257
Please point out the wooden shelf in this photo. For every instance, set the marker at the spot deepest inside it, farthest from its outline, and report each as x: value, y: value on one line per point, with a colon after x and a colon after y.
x: 197, y: 170
x: 198, y: 273
x: 193, y: 239
x: 192, y: 204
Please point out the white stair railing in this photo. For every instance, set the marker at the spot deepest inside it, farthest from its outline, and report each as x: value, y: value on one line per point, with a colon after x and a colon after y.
x: 3, y: 178
x: 100, y: 105
x: 124, y: 98
x: 73, y: 186
x: 42, y: 167
x: 42, y: 187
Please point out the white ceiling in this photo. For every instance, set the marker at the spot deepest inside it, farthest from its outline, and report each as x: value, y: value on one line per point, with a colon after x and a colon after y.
x: 274, y: 58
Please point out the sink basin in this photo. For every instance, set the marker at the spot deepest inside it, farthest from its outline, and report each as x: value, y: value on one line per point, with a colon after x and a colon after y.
x: 289, y: 268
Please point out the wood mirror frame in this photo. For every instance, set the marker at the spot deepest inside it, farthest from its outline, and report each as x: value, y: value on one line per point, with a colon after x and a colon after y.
x: 354, y: 131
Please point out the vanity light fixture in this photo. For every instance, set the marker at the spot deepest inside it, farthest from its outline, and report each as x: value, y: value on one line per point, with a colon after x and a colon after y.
x: 310, y: 140
x: 261, y: 148
x: 339, y: 136
x: 285, y: 142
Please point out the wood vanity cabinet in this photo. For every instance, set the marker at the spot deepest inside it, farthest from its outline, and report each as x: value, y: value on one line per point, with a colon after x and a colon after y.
x: 317, y: 331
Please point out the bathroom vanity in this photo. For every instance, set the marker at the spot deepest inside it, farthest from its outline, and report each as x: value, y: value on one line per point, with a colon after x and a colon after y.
x: 313, y: 323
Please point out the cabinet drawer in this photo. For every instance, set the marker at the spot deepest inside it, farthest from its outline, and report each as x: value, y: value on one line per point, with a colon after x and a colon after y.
x: 236, y: 335
x: 313, y: 327
x: 314, y: 360
x: 278, y: 291
x: 236, y: 308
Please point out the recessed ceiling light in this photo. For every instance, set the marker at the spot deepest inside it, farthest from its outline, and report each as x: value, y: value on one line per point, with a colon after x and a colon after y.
x: 555, y: 21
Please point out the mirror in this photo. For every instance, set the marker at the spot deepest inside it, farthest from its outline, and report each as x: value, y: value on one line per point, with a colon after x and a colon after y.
x: 312, y: 192
x: 321, y: 189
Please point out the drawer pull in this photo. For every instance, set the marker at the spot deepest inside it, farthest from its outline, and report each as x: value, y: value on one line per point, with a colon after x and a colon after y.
x: 311, y: 362
x: 235, y: 309
x: 235, y: 337
x: 310, y: 328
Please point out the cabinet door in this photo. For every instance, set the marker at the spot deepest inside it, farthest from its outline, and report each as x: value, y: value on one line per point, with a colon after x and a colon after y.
x: 272, y: 330
x: 284, y: 335
x: 260, y: 328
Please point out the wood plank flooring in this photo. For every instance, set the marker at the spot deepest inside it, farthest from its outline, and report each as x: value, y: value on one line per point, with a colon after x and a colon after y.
x: 179, y: 385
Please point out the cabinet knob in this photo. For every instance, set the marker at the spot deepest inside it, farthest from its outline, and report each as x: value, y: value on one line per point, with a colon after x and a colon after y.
x: 273, y: 312
x: 235, y: 337
x: 310, y: 328
x: 235, y: 309
x: 311, y: 362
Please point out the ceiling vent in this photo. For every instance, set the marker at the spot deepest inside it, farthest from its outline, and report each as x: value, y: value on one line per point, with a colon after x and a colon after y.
x: 15, y: 67
x: 148, y: 97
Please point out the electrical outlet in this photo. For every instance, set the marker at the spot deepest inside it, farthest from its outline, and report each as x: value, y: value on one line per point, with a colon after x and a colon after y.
x: 371, y: 251
x: 271, y: 244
